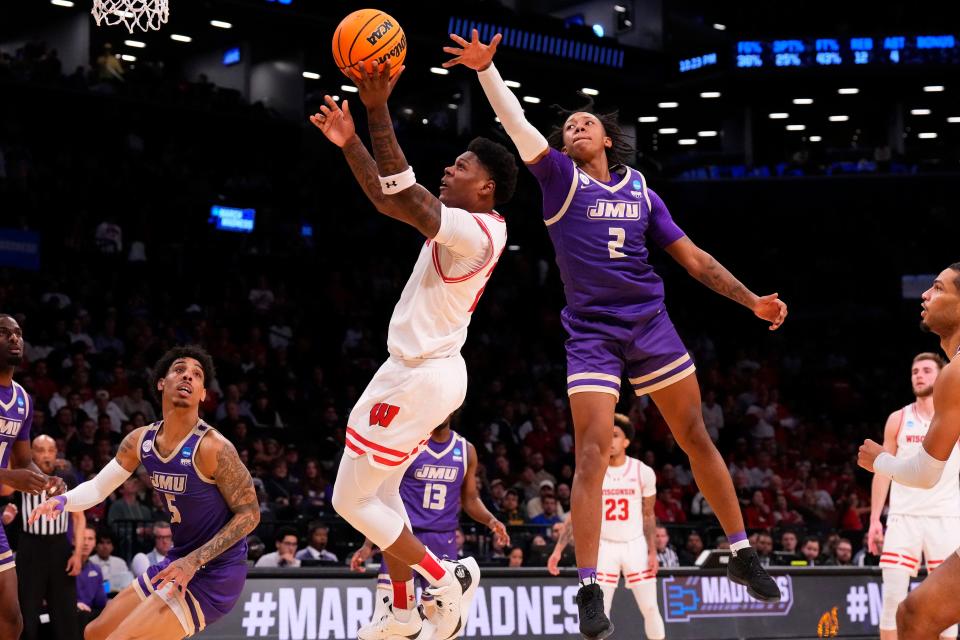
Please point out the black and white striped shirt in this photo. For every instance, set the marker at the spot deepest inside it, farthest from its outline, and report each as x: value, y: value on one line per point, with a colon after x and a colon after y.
x: 43, y: 526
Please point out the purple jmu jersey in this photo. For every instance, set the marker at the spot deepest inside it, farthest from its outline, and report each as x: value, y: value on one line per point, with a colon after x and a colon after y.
x: 600, y: 233
x: 16, y: 418
x: 431, y: 485
x: 197, y: 510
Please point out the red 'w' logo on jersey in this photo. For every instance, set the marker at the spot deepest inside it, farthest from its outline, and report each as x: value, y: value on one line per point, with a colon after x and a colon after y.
x: 383, y: 414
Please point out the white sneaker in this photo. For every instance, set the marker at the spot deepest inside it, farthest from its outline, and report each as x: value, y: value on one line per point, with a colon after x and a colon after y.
x: 451, y: 603
x: 387, y: 627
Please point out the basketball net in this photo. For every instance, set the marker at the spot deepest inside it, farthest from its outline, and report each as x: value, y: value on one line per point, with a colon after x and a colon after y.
x: 140, y: 14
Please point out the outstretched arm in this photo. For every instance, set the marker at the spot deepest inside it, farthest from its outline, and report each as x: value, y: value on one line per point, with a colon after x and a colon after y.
x: 94, y: 491
x: 414, y: 205
x: 705, y: 268
x: 924, y: 469
x: 473, y: 505
x: 475, y: 55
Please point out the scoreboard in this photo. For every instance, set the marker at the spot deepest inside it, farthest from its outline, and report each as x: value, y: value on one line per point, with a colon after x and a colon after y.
x: 863, y: 50
x: 868, y: 51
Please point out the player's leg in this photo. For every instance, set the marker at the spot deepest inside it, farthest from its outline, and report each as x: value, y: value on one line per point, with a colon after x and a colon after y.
x: 933, y: 606
x: 117, y: 610
x: 609, y: 561
x: 941, y: 537
x: 593, y: 433
x: 643, y: 585
x: 679, y: 403
x: 152, y: 619
x: 900, y: 561
x: 11, y: 621
x: 356, y: 497
x: 32, y: 552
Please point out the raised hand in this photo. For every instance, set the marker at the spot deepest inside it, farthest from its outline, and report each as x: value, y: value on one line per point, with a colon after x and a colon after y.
x: 868, y: 453
x: 179, y: 573
x: 473, y: 54
x: 374, y: 82
x: 772, y: 309
x: 335, y: 123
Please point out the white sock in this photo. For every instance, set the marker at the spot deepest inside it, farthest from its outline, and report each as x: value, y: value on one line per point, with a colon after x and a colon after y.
x: 737, y: 546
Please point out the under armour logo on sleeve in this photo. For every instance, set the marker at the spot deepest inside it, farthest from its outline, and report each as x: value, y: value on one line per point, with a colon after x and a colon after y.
x: 392, y: 184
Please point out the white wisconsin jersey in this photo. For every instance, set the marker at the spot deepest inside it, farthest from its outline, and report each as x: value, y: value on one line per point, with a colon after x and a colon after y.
x: 431, y: 318
x: 943, y: 499
x: 624, y: 488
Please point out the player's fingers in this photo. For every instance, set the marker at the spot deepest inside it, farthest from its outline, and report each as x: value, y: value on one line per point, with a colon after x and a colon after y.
x: 454, y: 51
x: 495, y: 41
x: 460, y: 41
x: 346, y: 108
x: 475, y: 37
x: 384, y: 70
x: 330, y: 103
x: 393, y: 82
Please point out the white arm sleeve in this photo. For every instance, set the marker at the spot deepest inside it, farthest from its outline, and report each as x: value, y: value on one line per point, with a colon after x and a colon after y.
x: 530, y: 142
x: 921, y: 471
x: 93, y: 492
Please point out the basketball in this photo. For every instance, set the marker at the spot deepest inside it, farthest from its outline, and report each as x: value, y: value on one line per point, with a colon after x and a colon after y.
x: 369, y: 34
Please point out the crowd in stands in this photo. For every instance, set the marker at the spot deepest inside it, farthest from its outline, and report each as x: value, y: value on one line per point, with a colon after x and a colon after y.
x: 296, y: 324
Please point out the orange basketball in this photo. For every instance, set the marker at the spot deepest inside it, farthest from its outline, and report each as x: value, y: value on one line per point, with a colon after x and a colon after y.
x: 369, y: 34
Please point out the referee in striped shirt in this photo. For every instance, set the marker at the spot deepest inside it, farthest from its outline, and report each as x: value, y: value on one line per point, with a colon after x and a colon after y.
x: 47, y: 563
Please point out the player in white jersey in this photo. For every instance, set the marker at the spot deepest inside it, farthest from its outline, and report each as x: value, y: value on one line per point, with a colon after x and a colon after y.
x: 627, y: 531
x: 919, y: 521
x: 425, y: 378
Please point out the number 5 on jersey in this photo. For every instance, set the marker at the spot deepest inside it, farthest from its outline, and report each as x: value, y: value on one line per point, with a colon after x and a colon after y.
x: 174, y: 511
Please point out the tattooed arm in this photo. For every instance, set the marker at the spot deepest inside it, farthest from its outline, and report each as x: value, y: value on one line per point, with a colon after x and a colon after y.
x: 705, y: 268
x: 415, y: 205
x: 337, y: 125
x: 236, y: 486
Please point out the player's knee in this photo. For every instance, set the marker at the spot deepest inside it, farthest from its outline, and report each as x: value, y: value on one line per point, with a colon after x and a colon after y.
x: 342, y: 500
x: 94, y: 630
x: 691, y: 434
x: 907, y: 615
x: 591, y: 460
x: 895, y: 586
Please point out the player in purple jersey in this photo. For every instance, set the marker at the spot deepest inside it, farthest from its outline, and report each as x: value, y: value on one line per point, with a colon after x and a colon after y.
x: 600, y: 215
x: 440, y: 482
x: 211, y: 501
x: 16, y: 418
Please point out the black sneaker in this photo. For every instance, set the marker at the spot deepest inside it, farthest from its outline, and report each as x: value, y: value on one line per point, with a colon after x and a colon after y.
x: 594, y: 623
x: 745, y: 569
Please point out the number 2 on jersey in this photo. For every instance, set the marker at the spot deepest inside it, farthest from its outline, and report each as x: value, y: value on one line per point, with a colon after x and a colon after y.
x: 435, y: 496
x: 616, y: 509
x: 619, y: 237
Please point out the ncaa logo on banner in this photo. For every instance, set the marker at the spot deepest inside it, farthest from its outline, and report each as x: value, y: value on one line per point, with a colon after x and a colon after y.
x: 686, y: 598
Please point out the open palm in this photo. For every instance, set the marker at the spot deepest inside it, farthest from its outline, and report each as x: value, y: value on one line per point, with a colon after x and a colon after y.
x: 473, y: 54
x: 334, y: 122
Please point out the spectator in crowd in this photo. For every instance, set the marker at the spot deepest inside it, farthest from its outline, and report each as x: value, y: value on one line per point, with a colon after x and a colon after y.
x: 842, y: 554
x: 285, y: 555
x: 758, y: 515
x: 563, y: 498
x: 666, y: 554
x: 810, y: 551
x: 116, y: 575
x: 667, y: 508
x: 135, y: 402
x: 549, y: 515
x: 91, y: 596
x: 515, y: 557
x: 764, y: 547
x: 162, y: 543
x: 316, y: 550
x: 128, y: 508
x: 691, y: 550
x: 101, y: 404
x: 783, y: 515
x: 509, y: 512
x: 699, y: 507
x: 535, y: 504
x: 314, y: 489
x: 712, y: 415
